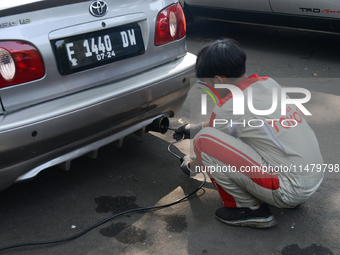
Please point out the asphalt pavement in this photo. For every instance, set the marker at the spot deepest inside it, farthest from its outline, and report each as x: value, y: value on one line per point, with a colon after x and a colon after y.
x: 142, y: 173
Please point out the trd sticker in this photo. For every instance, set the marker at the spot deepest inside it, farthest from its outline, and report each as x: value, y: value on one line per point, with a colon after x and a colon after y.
x: 329, y: 11
x: 316, y: 10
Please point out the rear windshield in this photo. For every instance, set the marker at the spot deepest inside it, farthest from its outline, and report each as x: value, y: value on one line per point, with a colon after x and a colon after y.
x: 11, y: 7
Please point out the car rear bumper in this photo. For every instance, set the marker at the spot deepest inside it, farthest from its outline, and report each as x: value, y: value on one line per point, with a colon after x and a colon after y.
x: 57, y: 131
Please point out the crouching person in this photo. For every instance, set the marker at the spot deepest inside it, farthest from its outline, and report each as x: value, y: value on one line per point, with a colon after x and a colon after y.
x: 252, y: 160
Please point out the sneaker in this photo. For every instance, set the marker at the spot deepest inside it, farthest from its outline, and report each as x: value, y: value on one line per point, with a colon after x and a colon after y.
x: 246, y: 217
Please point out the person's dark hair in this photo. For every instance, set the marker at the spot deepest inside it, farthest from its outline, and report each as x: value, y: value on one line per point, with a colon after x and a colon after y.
x: 223, y: 57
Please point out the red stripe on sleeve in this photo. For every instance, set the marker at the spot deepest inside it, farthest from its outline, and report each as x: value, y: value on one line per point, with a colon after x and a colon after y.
x: 212, y: 117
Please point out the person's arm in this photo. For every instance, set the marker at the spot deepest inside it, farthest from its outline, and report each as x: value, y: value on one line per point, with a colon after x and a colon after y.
x: 187, y: 131
x: 205, y: 124
x: 195, y: 165
x: 188, y: 165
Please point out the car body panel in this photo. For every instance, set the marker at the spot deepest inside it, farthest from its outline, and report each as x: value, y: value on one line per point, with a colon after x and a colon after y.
x: 41, y: 28
x: 41, y: 134
x: 316, y: 8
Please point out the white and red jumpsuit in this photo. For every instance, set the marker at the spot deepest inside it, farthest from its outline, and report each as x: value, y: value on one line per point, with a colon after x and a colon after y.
x: 267, y: 163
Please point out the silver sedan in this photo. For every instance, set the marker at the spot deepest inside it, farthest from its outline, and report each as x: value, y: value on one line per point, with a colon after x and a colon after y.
x: 76, y: 75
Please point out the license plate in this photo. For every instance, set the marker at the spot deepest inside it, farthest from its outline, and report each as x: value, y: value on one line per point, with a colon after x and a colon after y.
x: 81, y: 52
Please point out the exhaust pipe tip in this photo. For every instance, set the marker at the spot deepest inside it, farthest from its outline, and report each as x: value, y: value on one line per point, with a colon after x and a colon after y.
x: 160, y: 125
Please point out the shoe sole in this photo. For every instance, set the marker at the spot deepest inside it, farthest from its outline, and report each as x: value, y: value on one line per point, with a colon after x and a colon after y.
x: 253, y: 222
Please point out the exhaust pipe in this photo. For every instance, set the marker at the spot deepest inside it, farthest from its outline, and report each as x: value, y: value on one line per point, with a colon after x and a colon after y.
x: 160, y: 125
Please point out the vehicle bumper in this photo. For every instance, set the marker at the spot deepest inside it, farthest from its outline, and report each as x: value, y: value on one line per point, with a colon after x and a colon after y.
x: 60, y: 130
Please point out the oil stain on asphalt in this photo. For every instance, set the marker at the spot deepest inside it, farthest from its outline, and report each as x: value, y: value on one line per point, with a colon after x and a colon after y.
x: 294, y: 249
x: 123, y: 233
x: 175, y: 223
x: 128, y: 233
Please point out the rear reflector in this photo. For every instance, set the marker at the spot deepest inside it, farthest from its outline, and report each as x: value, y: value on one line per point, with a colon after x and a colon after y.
x: 7, y: 66
x: 170, y: 25
x: 19, y: 62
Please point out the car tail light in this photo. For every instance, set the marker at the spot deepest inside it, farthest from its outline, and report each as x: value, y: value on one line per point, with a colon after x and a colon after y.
x: 170, y: 25
x: 19, y: 62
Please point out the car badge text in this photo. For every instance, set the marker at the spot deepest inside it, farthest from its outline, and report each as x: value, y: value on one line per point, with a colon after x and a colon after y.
x: 15, y: 23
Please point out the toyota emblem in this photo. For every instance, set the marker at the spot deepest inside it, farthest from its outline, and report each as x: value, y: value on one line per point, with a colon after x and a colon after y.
x: 98, y: 8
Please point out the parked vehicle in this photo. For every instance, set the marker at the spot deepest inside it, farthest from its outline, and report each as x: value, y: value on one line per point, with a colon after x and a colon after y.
x: 304, y: 14
x: 76, y: 75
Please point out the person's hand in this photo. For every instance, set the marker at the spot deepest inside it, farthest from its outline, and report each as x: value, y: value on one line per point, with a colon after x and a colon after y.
x: 187, y: 130
x: 185, y: 165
